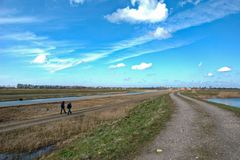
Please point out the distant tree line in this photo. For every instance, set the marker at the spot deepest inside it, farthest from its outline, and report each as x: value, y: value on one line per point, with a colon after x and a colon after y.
x: 32, y: 86
x: 2, y: 87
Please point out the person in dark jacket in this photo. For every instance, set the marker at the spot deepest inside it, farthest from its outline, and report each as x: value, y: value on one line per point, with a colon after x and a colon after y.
x: 69, y: 107
x: 63, y: 107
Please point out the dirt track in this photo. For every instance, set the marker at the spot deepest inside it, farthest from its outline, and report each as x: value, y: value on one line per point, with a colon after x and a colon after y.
x: 26, y: 123
x: 197, y: 130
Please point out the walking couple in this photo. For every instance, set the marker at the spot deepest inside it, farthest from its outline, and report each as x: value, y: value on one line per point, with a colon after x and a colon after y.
x: 69, y: 107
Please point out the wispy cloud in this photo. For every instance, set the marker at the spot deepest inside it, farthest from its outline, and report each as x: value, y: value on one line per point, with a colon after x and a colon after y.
x: 40, y: 59
x: 203, y: 13
x: 76, y: 2
x: 188, y: 18
x: 17, y: 20
x: 44, y: 51
x: 25, y: 50
x: 54, y: 64
x: 151, y: 51
x: 25, y: 36
x: 119, y: 65
x: 10, y: 16
x: 185, y: 2
x: 57, y: 64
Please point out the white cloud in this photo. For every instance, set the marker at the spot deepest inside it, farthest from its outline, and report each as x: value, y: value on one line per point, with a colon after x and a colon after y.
x: 76, y: 2
x: 46, y: 52
x: 119, y: 65
x: 40, y: 59
x: 184, y: 2
x: 203, y: 13
x: 148, y: 11
x: 210, y: 74
x: 182, y: 20
x: 142, y: 66
x: 224, y: 69
x: 161, y: 33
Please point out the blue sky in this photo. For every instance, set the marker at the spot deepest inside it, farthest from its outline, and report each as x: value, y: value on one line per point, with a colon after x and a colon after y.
x: 120, y: 43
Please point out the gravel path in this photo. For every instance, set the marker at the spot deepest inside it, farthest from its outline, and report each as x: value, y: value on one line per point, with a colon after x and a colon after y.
x: 197, y: 130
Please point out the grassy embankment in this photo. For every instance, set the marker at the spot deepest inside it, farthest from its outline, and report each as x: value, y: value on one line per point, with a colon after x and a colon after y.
x: 38, y: 136
x: 16, y: 94
x: 11, y: 114
x: 205, y: 94
x: 57, y: 132
x: 122, y: 138
x: 64, y: 130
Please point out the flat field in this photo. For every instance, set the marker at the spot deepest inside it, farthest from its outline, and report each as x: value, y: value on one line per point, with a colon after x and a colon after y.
x: 25, y: 94
x: 213, y: 93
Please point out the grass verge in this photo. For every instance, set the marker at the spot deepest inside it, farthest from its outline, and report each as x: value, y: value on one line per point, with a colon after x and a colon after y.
x: 121, y: 139
x: 226, y: 107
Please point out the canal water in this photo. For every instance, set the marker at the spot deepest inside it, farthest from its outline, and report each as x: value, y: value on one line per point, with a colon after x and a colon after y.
x: 27, y: 156
x: 53, y: 100
x: 235, y: 102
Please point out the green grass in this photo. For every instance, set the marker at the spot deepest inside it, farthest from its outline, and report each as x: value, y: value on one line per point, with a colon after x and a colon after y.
x: 226, y: 107
x: 121, y: 139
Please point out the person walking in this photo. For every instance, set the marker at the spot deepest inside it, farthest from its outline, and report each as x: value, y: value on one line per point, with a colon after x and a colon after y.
x: 69, y: 107
x: 63, y: 108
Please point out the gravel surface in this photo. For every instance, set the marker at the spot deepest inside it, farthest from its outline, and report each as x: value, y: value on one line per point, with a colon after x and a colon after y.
x: 197, y: 130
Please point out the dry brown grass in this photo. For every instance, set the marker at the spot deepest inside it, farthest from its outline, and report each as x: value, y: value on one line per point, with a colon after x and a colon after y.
x: 64, y: 131
x: 41, y: 110
x: 38, y: 136
x: 214, y: 93
x: 226, y: 94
